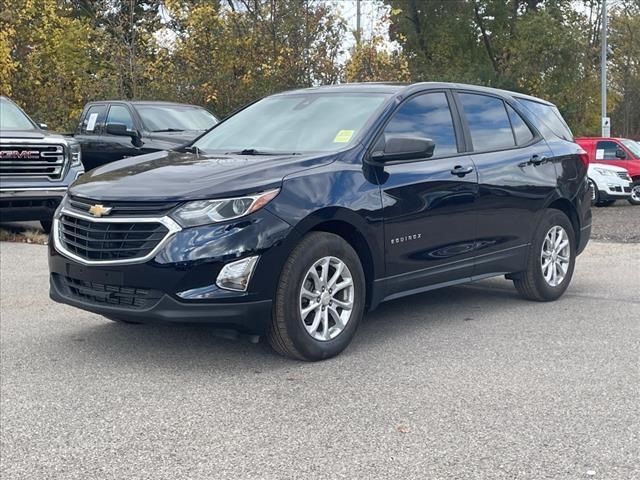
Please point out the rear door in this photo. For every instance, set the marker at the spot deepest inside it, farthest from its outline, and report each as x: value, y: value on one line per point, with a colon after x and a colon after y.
x: 429, y: 219
x: 516, y: 175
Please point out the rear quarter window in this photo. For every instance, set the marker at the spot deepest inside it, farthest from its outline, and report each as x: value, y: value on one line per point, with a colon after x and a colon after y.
x: 550, y: 116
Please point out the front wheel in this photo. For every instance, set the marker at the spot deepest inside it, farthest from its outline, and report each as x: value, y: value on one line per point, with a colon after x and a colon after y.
x: 319, y: 300
x: 634, y: 199
x: 46, y: 226
x: 551, y: 259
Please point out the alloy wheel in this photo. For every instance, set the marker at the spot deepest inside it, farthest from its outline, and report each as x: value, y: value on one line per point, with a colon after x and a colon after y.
x: 635, y: 193
x: 326, y: 298
x: 555, y: 256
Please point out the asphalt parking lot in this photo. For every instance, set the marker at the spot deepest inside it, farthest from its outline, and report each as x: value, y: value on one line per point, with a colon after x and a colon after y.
x: 463, y: 383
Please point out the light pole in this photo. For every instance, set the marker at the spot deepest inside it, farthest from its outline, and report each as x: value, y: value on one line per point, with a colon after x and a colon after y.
x: 606, y: 121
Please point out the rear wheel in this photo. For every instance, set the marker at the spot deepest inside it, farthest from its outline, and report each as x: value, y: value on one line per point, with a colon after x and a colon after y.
x: 319, y: 300
x: 634, y: 199
x: 551, y: 259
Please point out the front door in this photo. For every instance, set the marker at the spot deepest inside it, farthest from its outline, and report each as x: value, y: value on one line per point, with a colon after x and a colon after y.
x: 429, y: 220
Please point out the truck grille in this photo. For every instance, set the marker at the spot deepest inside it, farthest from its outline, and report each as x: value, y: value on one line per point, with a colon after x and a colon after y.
x: 26, y: 160
x: 109, y: 240
x: 103, y: 294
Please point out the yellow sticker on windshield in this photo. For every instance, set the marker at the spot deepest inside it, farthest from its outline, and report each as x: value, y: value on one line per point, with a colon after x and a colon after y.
x: 343, y: 136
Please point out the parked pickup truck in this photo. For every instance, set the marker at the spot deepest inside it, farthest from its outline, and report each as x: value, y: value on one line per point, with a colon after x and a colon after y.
x: 617, y: 152
x: 36, y: 167
x: 112, y: 130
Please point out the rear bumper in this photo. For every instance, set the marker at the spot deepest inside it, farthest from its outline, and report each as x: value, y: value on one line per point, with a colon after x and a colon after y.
x: 250, y: 317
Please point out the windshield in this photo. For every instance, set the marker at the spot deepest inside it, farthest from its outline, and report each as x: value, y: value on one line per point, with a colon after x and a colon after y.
x: 175, y: 118
x: 12, y: 118
x: 633, y: 146
x: 296, y: 123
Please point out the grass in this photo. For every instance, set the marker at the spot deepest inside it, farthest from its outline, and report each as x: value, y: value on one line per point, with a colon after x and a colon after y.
x: 25, y: 236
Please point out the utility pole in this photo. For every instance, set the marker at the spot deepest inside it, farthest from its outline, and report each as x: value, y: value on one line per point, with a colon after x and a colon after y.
x: 357, y: 22
x: 606, y: 121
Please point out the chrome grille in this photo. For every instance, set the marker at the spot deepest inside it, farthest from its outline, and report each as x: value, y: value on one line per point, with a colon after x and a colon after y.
x: 105, y: 241
x: 28, y: 160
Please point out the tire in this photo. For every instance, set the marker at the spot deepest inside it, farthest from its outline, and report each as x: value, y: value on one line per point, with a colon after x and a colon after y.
x: 120, y: 320
x: 594, y: 192
x: 532, y: 284
x: 46, y: 225
x: 311, y: 338
x: 634, y: 199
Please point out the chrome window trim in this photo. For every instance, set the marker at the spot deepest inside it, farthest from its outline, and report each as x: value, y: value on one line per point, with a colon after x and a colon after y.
x: 168, y: 222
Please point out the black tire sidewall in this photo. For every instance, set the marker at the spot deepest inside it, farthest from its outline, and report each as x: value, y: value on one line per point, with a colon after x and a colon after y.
x: 596, y: 195
x: 631, y: 200
x: 314, y: 247
x: 552, y: 218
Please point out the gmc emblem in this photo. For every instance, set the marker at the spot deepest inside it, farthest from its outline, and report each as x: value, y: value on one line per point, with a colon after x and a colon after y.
x: 21, y: 154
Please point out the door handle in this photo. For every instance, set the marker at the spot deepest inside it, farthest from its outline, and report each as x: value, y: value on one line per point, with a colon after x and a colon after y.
x: 461, y: 171
x: 537, y: 160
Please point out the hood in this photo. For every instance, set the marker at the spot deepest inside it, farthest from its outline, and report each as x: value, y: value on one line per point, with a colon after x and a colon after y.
x: 178, y: 176
x: 26, y: 134
x: 603, y: 166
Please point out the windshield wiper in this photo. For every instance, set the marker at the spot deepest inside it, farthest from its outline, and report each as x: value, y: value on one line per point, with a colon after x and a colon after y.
x: 253, y: 151
x: 168, y: 130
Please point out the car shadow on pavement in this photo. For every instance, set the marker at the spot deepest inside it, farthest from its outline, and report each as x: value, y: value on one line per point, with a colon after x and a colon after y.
x: 191, y: 347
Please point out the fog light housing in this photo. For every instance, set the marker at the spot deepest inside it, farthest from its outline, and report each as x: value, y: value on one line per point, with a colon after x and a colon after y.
x: 236, y: 275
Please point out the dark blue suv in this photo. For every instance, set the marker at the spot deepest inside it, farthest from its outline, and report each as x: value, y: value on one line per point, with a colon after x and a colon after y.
x: 301, y: 211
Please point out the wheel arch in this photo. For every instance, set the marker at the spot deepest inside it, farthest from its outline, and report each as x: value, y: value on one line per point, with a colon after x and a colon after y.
x: 352, y: 229
x: 566, y: 207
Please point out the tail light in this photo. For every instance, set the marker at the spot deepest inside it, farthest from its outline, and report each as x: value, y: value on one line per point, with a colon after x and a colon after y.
x: 584, y: 157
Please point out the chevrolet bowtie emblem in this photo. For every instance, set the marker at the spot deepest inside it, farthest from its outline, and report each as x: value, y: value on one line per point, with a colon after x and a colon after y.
x: 98, y: 210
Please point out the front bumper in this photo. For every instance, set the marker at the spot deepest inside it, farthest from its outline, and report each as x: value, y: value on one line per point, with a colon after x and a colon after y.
x: 179, y: 283
x: 29, y: 203
x: 250, y: 317
x: 617, y: 192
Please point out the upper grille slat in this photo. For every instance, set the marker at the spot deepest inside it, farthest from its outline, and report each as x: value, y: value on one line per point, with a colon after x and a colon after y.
x: 123, y: 208
x: 29, y: 160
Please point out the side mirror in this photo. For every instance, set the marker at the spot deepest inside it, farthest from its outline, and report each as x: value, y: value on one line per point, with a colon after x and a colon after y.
x: 401, y: 148
x: 120, y: 129
x: 43, y: 126
x: 620, y: 153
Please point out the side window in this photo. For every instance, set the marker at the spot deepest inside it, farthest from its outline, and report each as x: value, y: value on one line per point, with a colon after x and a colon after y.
x: 521, y: 130
x: 93, y: 120
x: 428, y: 116
x: 120, y: 114
x: 551, y: 117
x: 606, y: 150
x: 488, y: 122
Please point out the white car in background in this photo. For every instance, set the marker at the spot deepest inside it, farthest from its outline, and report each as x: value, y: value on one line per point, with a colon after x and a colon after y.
x: 608, y: 184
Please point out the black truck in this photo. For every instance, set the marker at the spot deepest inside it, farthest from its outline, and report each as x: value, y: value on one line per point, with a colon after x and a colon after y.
x: 116, y: 129
x: 36, y: 167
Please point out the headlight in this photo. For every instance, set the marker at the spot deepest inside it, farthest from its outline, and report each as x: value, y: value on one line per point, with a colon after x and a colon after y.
x: 203, y: 212
x: 76, y: 154
x: 607, y: 173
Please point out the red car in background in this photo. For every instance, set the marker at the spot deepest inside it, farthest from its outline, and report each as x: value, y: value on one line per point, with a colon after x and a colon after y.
x: 621, y: 152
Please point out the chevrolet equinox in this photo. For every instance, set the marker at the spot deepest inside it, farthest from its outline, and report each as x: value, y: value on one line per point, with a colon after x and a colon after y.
x: 296, y: 214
